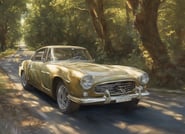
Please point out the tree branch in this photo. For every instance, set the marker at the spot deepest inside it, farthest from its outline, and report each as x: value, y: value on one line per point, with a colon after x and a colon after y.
x: 81, y: 9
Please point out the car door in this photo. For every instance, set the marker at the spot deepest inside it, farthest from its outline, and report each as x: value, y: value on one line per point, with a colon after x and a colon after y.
x: 46, y: 72
x: 35, y: 68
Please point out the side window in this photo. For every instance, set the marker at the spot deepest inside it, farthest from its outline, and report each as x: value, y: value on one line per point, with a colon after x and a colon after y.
x: 38, y: 55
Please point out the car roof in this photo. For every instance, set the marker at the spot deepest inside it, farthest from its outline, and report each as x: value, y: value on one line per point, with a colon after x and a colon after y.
x: 63, y: 46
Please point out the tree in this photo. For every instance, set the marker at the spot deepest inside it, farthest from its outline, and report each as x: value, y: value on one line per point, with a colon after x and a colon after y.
x: 179, y: 26
x: 96, y: 10
x: 172, y: 29
x: 11, y: 11
x: 146, y: 24
x: 146, y: 16
x: 146, y: 13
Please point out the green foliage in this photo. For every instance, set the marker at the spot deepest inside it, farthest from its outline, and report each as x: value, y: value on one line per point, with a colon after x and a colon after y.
x: 172, y: 28
x: 11, y: 12
x: 121, y: 33
x: 59, y: 22
x: 68, y: 22
x: 51, y: 22
x: 7, y: 52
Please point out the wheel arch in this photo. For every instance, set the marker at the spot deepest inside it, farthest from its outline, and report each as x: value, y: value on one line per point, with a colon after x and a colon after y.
x: 21, y: 70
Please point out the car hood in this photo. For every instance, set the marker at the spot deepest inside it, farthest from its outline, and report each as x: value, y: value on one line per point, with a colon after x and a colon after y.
x: 101, y: 70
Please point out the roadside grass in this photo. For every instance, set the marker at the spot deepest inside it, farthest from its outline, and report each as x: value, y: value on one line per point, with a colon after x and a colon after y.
x: 6, y: 111
x: 15, y: 118
x: 5, y: 83
x: 7, y: 52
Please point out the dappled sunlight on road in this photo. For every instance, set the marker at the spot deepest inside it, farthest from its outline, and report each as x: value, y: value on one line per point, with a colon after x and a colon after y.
x: 153, y: 115
x: 46, y: 109
x: 62, y: 128
x: 32, y: 103
x: 164, y: 108
x: 28, y: 122
x: 168, y: 108
x: 141, y: 129
x: 152, y: 103
x: 174, y: 115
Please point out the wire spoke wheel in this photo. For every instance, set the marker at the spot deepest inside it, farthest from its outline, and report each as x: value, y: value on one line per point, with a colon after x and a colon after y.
x: 64, y: 103
x: 62, y: 98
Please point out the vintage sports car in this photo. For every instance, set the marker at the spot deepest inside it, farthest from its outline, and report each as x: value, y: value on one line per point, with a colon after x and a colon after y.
x: 69, y: 75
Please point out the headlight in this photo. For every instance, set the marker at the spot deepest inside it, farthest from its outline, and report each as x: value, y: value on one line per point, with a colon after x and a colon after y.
x: 144, y: 79
x: 87, y: 82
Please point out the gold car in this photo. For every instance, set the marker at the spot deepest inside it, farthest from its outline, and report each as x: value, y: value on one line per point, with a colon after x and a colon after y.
x: 69, y: 75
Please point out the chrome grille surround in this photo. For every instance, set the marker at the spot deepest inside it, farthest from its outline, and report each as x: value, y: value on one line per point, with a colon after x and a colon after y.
x: 116, y: 88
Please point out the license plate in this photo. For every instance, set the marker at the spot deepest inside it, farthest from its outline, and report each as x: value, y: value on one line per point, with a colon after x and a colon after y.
x: 125, y: 98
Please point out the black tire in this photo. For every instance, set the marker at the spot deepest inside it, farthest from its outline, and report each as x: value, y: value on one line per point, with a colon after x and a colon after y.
x: 64, y: 103
x: 24, y: 81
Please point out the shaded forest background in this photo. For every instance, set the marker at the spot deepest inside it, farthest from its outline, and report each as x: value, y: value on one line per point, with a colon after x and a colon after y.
x: 148, y: 34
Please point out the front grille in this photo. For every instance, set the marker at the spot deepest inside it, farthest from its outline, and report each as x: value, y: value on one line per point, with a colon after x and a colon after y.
x: 116, y: 88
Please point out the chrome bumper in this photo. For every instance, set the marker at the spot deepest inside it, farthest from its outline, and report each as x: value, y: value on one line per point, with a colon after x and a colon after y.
x: 107, y: 98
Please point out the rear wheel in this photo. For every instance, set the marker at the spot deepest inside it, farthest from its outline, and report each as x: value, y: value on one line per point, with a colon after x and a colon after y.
x: 65, y: 104
x: 24, y: 81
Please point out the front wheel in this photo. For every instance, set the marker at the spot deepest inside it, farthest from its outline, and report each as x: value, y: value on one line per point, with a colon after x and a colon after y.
x: 65, y: 104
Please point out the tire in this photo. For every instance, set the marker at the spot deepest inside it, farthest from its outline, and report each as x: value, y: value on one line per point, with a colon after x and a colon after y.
x: 64, y: 103
x: 24, y: 81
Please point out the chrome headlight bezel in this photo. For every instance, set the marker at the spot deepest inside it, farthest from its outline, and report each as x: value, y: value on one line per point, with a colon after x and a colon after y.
x: 87, y: 82
x: 144, y: 79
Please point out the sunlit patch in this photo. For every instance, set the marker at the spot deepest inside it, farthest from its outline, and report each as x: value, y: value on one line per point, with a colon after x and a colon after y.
x: 175, y: 105
x: 146, y: 55
x: 15, y: 101
x: 34, y: 103
x: 156, y: 103
x: 30, y: 122
x: 137, y: 128
x: 66, y: 129
x: 77, y: 73
x: 30, y: 96
x: 46, y: 109
x: 120, y: 125
x: 31, y: 103
x: 164, y: 109
x: 174, y: 115
x: 59, y: 113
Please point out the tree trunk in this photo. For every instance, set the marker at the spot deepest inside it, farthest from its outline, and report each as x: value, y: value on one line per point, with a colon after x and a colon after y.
x: 3, y: 32
x: 146, y: 13
x: 3, y: 43
x: 96, y: 11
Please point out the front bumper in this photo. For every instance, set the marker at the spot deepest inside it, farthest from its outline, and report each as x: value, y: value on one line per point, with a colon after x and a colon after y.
x: 108, y: 99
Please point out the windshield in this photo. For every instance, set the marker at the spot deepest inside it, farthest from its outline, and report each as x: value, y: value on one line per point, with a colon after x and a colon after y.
x: 71, y: 54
